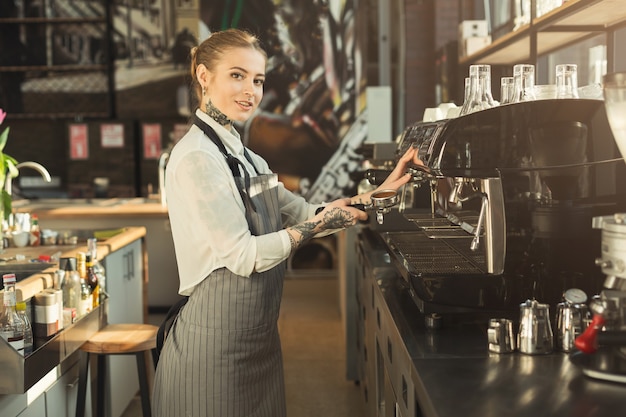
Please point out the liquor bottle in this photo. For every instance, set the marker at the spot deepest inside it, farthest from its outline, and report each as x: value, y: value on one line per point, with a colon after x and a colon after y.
x: 86, y: 300
x: 70, y: 286
x: 93, y: 281
x: 11, y: 327
x: 28, y: 328
x: 81, y: 265
x: 92, y: 248
x: 35, y: 231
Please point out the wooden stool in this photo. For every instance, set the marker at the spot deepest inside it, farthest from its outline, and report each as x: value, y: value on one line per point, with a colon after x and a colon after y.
x: 117, y: 339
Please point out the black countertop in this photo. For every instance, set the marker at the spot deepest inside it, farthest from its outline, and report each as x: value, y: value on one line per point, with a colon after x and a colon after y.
x: 456, y: 375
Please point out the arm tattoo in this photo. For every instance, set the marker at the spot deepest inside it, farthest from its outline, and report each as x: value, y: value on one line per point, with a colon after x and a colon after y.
x: 306, y: 231
x: 292, y: 241
x: 337, y: 219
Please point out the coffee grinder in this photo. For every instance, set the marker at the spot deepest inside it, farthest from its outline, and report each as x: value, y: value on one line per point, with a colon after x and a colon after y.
x: 602, y: 347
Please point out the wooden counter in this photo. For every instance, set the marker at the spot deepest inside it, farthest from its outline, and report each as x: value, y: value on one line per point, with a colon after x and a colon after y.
x: 111, y: 213
x: 69, y: 208
x: 32, y: 285
x: 20, y: 374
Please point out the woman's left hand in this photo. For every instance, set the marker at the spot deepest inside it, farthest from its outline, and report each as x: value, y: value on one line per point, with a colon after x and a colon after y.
x: 399, y: 176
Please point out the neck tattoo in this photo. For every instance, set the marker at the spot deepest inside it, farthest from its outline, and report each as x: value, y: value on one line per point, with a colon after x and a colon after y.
x: 217, y: 115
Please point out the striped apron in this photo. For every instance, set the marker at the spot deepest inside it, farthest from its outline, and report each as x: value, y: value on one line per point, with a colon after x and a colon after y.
x: 222, y: 357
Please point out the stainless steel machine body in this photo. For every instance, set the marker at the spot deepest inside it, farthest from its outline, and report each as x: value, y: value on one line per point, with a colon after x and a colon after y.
x: 514, y: 190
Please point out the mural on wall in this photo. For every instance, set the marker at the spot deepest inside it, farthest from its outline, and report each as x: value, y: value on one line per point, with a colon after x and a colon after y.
x: 308, y: 126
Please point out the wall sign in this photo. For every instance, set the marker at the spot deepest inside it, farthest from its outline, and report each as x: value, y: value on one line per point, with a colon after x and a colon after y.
x: 79, y: 148
x: 151, y: 140
x: 112, y: 135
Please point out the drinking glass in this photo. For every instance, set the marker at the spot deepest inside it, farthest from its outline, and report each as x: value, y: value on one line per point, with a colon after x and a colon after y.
x: 524, y: 75
x: 566, y: 81
x: 507, y: 88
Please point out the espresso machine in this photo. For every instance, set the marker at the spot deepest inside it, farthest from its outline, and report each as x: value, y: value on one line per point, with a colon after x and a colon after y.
x: 602, y: 347
x: 513, y: 191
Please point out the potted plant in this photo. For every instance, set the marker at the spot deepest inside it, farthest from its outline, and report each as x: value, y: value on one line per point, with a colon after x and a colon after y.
x: 7, y: 170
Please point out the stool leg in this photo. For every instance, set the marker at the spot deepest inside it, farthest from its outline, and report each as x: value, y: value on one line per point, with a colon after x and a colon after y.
x: 102, y: 377
x: 83, y: 373
x: 143, y: 384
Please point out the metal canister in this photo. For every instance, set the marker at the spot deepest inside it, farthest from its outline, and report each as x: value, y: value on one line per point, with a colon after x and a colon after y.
x: 500, y: 336
x: 572, y: 316
x: 535, y: 335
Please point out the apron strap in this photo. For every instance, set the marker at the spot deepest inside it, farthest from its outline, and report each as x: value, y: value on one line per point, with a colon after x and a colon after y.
x: 235, y: 165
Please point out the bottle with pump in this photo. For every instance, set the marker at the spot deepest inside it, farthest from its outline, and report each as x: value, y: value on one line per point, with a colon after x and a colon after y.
x: 11, y: 326
x: 28, y: 328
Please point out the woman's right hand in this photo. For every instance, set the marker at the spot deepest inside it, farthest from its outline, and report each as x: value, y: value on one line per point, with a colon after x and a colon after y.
x: 335, y: 216
x: 340, y: 214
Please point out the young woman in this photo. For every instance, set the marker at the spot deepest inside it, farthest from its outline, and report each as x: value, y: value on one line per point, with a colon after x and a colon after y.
x: 234, y: 226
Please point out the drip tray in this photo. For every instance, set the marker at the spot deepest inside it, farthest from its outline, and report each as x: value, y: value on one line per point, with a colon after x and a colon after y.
x: 424, y: 255
x: 429, y: 221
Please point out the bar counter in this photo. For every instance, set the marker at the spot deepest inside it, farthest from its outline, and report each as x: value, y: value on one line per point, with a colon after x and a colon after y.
x: 452, y: 373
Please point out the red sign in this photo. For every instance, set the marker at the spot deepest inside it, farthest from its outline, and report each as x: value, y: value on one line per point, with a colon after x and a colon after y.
x: 79, y: 148
x: 151, y: 141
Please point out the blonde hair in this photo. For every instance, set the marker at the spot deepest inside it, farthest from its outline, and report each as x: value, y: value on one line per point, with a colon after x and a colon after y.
x: 212, y: 49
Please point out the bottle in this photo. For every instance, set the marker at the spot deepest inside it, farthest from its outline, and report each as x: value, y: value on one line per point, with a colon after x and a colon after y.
x: 479, y: 95
x: 28, y: 328
x: 86, y: 300
x: 92, y: 248
x: 81, y: 265
x: 11, y: 327
x: 70, y: 287
x: 35, y: 231
x: 93, y: 281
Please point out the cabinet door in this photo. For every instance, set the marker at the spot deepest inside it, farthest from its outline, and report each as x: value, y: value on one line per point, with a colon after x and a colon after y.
x: 61, y: 396
x: 35, y: 409
x: 124, y: 269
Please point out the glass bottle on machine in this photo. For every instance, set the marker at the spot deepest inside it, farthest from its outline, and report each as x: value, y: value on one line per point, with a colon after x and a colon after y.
x: 11, y: 326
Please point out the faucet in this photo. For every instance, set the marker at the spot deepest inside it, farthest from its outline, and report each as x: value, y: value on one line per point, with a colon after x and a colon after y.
x: 165, y: 156
x: 8, y: 187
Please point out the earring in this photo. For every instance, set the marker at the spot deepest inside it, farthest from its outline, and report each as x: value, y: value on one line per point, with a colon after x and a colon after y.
x: 203, y: 91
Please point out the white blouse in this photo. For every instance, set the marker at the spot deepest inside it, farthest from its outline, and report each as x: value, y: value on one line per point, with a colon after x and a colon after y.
x: 207, y: 214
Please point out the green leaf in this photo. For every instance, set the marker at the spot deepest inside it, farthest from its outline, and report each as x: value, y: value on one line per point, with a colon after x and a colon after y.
x: 10, y: 164
x: 7, y: 205
x: 3, y: 138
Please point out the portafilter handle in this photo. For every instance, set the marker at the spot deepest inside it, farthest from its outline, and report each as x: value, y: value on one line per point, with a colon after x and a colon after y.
x: 587, y: 342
